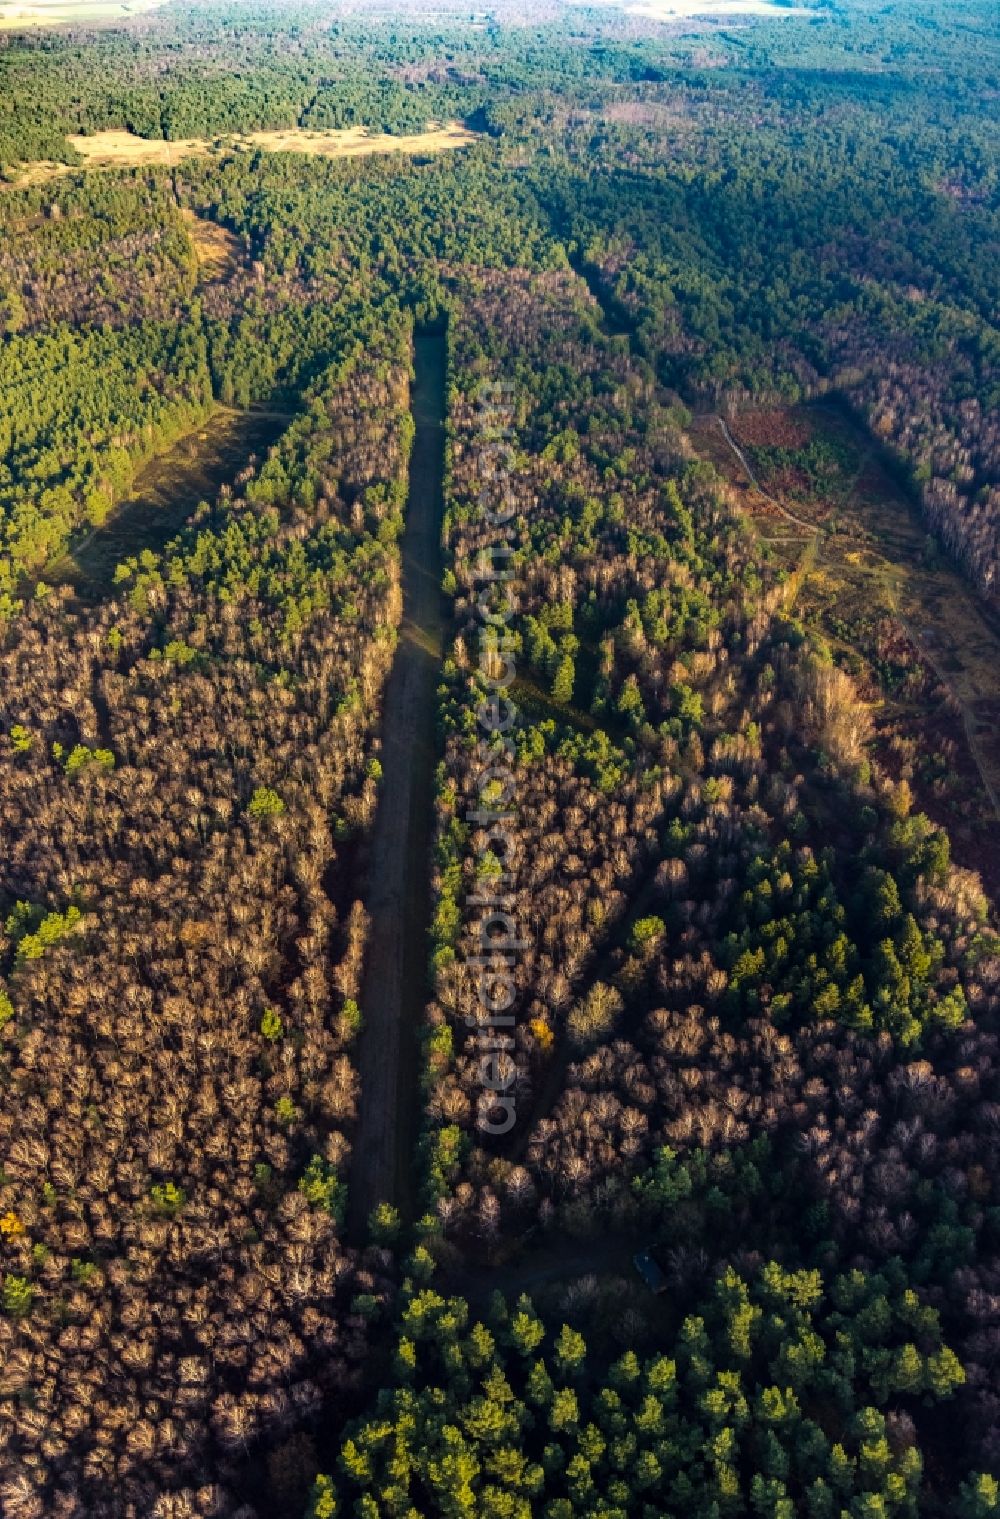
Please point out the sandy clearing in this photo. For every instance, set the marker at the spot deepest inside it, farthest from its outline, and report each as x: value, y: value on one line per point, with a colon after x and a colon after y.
x: 353, y: 142
x: 122, y: 150
x: 70, y: 12
x: 216, y: 248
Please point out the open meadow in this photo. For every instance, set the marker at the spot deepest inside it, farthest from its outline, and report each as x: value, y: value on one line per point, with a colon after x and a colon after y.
x: 124, y: 150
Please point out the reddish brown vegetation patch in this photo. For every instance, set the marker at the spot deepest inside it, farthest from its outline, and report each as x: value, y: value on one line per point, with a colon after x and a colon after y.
x: 772, y: 428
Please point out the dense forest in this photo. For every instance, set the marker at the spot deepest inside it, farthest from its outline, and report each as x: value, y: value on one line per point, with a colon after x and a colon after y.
x: 699, y: 1209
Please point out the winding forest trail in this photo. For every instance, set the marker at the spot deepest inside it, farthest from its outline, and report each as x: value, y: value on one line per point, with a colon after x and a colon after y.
x: 940, y: 614
x: 807, y: 527
x: 399, y: 897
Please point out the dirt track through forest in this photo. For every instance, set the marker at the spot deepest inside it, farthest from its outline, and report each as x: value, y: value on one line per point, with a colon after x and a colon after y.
x: 958, y: 659
x: 807, y: 527
x: 398, y: 896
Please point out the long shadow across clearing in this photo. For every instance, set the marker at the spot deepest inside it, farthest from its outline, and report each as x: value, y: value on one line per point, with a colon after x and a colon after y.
x: 164, y: 494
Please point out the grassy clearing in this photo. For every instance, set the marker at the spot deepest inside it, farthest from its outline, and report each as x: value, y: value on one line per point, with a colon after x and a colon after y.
x: 164, y: 494
x: 41, y: 13
x: 356, y: 142
x: 123, y: 150
x: 216, y: 248
x: 871, y: 579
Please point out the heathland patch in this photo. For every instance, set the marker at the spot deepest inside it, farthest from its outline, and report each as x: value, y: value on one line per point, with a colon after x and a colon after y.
x: 123, y: 150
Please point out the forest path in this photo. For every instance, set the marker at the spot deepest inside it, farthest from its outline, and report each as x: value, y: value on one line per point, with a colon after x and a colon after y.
x: 399, y: 896
x: 808, y: 527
